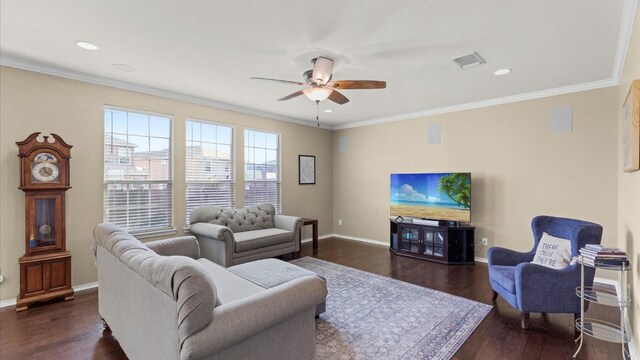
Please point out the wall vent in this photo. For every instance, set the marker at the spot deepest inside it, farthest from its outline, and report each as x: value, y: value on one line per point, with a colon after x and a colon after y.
x: 469, y: 60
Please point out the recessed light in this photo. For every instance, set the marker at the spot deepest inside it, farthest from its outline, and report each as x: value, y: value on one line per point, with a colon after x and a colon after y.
x: 500, y: 72
x: 328, y: 110
x: 124, y: 67
x: 85, y: 45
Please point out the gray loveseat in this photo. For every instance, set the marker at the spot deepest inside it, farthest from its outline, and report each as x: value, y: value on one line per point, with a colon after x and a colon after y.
x: 235, y: 236
x: 163, y: 301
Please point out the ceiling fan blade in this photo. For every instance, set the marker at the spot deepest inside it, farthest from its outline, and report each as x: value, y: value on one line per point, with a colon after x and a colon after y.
x: 322, y: 69
x: 357, y: 84
x: 338, y: 98
x: 291, y: 96
x: 277, y: 80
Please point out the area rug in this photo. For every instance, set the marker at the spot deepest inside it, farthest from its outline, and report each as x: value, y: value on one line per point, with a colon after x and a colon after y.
x: 375, y: 317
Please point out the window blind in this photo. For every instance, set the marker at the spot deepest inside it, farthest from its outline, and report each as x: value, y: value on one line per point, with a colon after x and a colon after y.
x: 209, y: 165
x: 138, y: 186
x: 261, y: 168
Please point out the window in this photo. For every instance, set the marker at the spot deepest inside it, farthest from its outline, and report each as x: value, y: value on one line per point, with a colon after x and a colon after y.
x: 137, y: 170
x: 261, y: 168
x: 209, y: 161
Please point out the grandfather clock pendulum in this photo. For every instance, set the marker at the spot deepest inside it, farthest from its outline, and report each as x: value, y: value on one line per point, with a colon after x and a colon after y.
x: 45, y: 267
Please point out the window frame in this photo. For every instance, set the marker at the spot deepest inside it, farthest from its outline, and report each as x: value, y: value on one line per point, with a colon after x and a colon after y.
x: 152, y: 231
x: 279, y: 156
x: 233, y: 171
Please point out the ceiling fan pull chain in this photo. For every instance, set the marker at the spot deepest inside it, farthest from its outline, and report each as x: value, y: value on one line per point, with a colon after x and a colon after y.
x: 318, y: 112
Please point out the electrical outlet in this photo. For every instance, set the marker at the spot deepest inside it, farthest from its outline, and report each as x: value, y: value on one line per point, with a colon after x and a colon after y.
x: 339, y: 221
x: 1, y: 279
x: 484, y: 242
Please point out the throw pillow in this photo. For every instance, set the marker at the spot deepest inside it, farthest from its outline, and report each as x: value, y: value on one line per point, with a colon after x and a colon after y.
x: 553, y: 252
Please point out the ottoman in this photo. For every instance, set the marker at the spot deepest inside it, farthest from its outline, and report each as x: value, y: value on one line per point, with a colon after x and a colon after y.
x: 268, y: 273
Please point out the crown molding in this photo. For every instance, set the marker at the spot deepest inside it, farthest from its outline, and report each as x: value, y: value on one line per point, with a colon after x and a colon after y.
x: 28, y: 65
x: 626, y: 28
x: 484, y: 103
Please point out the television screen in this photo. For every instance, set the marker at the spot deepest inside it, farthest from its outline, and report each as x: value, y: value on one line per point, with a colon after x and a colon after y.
x: 442, y: 196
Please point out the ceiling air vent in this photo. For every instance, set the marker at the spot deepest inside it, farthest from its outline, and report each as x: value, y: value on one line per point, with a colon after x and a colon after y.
x: 469, y: 60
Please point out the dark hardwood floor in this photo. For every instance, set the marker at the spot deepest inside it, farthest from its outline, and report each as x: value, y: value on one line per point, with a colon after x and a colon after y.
x: 73, y: 329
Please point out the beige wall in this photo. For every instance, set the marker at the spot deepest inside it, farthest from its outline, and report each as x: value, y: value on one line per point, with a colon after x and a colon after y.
x: 629, y: 184
x: 31, y: 102
x: 519, y: 168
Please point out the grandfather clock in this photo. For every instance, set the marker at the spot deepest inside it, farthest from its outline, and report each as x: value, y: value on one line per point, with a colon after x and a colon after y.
x: 45, y: 267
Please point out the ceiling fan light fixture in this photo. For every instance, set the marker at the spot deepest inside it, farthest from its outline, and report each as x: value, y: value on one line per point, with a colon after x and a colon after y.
x: 322, y: 69
x: 317, y: 93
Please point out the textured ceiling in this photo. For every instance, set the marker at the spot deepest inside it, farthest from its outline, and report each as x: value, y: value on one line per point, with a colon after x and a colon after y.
x: 209, y: 49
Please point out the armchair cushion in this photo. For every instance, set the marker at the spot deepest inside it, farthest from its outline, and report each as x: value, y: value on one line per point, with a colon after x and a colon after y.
x: 505, y: 276
x: 553, y: 252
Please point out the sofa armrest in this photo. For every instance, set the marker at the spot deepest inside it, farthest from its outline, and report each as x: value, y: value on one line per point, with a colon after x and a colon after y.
x: 212, y: 231
x: 217, y: 242
x: 239, y: 320
x: 501, y: 256
x: 184, y: 246
x: 287, y: 222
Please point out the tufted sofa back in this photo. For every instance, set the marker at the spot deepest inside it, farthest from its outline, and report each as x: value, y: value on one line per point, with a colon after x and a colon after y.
x: 255, y: 217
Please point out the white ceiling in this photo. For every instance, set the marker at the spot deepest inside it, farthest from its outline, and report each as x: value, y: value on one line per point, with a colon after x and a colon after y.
x: 205, y: 51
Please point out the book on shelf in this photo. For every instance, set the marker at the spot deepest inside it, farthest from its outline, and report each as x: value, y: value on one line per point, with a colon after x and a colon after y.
x: 605, y: 262
x: 603, y: 249
x: 604, y: 257
x: 609, y: 255
x: 614, y: 254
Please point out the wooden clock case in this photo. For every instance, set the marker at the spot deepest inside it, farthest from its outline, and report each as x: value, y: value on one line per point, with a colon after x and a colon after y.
x: 45, y: 268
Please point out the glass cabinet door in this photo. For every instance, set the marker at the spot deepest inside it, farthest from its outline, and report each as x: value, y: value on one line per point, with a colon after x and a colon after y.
x: 428, y: 243
x: 438, y: 243
x: 410, y: 240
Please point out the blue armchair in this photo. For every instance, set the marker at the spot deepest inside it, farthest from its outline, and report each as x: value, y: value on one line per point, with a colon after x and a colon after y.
x: 533, y: 288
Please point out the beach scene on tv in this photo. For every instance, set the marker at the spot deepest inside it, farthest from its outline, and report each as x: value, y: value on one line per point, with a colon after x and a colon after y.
x: 444, y: 196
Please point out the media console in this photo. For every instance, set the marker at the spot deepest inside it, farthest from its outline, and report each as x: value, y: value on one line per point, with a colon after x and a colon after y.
x: 442, y: 243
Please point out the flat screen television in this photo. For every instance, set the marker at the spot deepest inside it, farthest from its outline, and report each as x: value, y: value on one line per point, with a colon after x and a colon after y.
x: 433, y: 196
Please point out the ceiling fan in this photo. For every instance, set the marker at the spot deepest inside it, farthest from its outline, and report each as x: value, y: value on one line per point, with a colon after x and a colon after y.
x: 319, y: 86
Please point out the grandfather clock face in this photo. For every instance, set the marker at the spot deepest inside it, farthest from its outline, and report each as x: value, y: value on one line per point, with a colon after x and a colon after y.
x: 45, y: 168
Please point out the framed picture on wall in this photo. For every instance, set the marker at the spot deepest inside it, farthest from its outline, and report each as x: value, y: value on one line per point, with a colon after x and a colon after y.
x: 306, y: 169
x: 631, y: 129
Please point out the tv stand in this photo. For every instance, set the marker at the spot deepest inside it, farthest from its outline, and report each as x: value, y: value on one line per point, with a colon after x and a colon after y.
x: 443, y: 243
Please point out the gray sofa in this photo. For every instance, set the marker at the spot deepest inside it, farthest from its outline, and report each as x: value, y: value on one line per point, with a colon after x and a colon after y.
x: 235, y: 236
x: 163, y: 301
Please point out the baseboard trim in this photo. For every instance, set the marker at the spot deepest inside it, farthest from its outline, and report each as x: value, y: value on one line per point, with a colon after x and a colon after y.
x: 319, y: 238
x: 77, y: 288
x: 369, y: 241
x: 6, y: 303
x: 481, y: 260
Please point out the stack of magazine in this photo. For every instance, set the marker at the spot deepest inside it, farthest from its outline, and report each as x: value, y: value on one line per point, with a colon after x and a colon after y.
x: 598, y: 255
